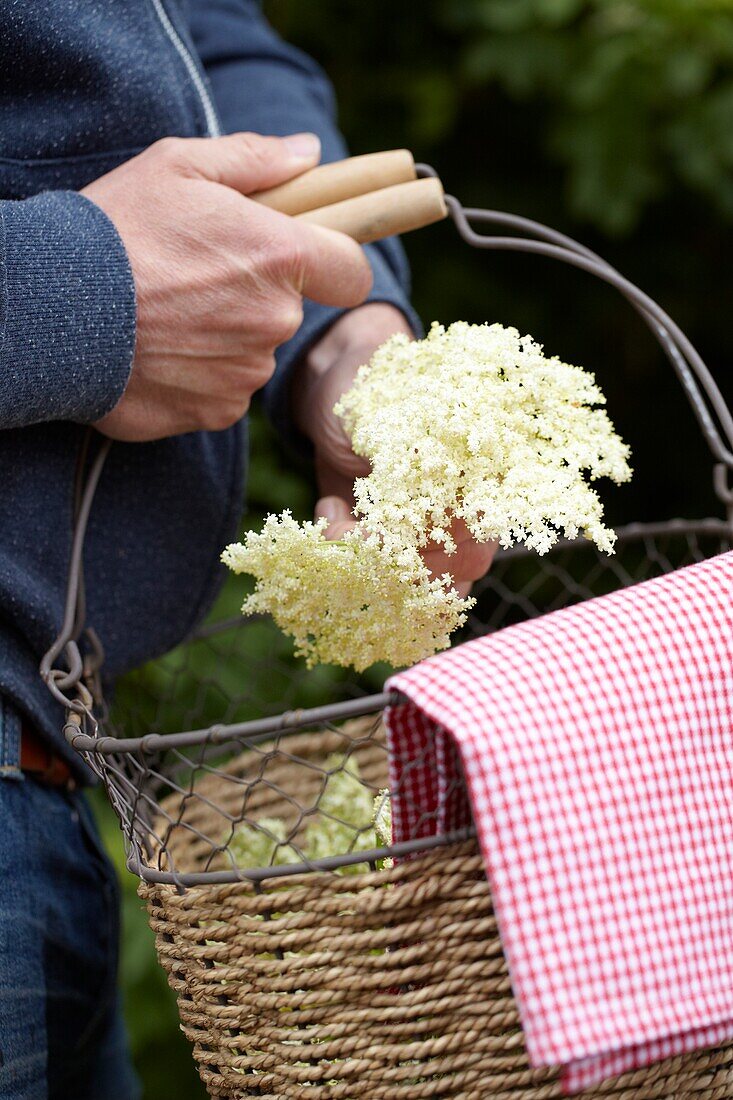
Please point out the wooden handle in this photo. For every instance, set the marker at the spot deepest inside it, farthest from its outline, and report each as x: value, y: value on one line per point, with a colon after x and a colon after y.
x: 384, y: 213
x: 344, y: 179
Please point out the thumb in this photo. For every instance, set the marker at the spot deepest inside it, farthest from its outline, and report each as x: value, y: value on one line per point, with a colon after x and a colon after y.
x: 250, y: 162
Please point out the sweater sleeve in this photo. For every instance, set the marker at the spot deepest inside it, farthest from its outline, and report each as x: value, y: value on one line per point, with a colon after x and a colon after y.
x: 263, y: 84
x: 67, y: 311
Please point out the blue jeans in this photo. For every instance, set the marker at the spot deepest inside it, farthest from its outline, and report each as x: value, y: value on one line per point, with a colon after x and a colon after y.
x: 61, y: 1030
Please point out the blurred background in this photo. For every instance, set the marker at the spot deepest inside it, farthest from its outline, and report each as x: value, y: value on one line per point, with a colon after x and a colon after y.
x: 611, y: 120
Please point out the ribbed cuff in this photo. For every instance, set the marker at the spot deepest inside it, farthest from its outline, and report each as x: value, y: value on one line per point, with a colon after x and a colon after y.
x: 317, y: 320
x: 67, y: 311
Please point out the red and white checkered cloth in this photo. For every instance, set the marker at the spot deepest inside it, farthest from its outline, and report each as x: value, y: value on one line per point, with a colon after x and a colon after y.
x: 597, y: 746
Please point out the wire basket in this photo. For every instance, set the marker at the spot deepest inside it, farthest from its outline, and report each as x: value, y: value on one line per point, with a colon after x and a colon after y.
x: 309, y: 956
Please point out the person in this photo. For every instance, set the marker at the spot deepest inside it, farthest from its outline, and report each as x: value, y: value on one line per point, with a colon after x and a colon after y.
x: 142, y: 292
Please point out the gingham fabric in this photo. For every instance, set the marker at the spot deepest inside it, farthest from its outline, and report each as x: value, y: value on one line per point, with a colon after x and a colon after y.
x: 597, y: 748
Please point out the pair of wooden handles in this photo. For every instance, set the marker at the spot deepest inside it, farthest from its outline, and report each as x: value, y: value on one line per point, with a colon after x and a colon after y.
x: 367, y: 197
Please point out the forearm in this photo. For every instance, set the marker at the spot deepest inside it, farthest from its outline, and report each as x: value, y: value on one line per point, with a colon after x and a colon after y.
x: 67, y: 311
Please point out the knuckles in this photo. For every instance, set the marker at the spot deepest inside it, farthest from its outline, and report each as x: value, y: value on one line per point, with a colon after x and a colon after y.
x: 254, y: 148
x: 171, y: 151
x: 285, y: 258
x: 270, y: 318
x: 260, y: 371
x: 220, y: 417
x: 286, y: 322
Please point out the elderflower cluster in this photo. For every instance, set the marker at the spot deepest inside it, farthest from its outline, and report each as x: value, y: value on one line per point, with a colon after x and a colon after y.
x: 472, y: 423
x: 346, y: 821
x: 383, y: 816
x: 351, y: 602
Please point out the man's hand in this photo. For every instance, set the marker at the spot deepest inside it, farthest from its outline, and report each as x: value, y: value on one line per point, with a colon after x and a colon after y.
x: 219, y: 279
x: 329, y: 372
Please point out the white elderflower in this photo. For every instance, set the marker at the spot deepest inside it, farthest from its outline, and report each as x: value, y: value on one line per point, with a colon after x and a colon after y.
x: 382, y: 811
x: 344, y: 821
x: 475, y: 422
x: 262, y: 844
x: 351, y: 602
x: 345, y: 818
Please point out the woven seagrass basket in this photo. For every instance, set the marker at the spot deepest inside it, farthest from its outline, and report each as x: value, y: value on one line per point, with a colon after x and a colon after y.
x: 381, y: 984
x: 364, y: 972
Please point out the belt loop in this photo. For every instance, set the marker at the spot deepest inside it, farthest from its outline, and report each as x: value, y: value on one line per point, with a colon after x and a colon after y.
x: 9, y: 741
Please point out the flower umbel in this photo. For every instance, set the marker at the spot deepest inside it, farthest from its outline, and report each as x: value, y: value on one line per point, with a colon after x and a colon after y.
x: 473, y: 422
x: 351, y: 602
x: 346, y: 818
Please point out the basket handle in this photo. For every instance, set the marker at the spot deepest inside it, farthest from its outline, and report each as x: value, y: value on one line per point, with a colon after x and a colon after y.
x: 367, y: 198
x: 380, y: 214
x: 339, y: 180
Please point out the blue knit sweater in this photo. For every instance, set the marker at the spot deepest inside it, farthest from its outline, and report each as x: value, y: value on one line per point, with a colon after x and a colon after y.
x: 85, y: 84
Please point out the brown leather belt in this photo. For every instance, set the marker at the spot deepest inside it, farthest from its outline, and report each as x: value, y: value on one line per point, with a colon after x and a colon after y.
x: 42, y: 763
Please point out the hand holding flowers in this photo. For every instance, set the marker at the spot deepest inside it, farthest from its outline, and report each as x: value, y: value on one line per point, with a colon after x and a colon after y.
x: 470, y: 434
x: 328, y: 374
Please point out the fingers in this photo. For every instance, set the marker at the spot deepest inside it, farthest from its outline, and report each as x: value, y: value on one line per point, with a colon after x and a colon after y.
x: 245, y: 162
x: 469, y: 563
x: 333, y: 482
x: 334, y: 269
x: 319, y: 263
x: 339, y: 516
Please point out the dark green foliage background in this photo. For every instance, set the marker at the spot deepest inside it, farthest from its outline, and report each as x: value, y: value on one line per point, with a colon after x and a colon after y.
x: 609, y: 119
